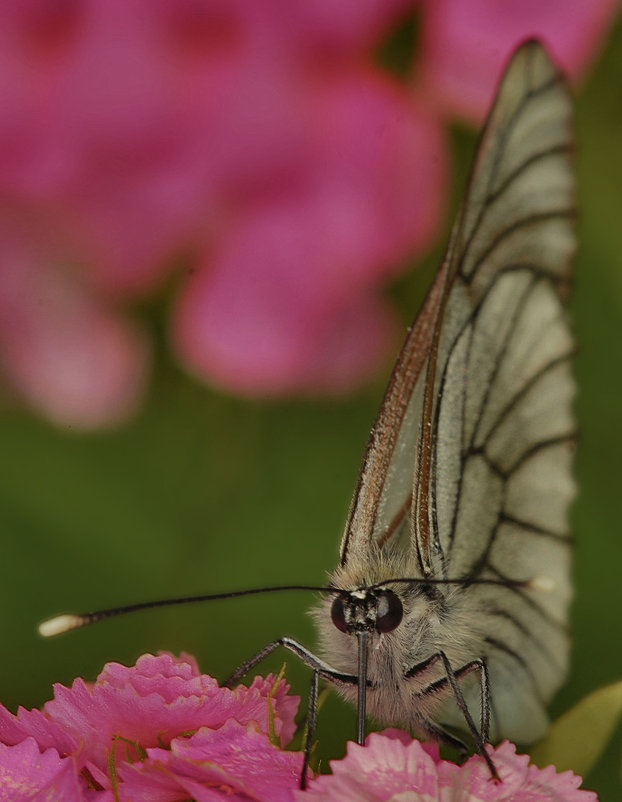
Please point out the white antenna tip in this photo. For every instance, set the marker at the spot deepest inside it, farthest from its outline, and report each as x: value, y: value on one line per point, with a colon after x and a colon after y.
x: 544, y: 584
x: 60, y: 624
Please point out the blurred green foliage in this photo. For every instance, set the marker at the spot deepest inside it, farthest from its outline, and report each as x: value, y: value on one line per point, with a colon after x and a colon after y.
x: 203, y: 493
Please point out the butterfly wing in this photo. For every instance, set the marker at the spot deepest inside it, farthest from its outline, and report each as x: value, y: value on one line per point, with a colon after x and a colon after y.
x: 468, y: 464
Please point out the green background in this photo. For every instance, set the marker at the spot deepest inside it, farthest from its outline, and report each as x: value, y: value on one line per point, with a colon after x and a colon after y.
x: 203, y: 493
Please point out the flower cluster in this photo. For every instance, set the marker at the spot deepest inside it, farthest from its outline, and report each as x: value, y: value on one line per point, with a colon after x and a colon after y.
x: 160, y: 731
x: 252, y: 159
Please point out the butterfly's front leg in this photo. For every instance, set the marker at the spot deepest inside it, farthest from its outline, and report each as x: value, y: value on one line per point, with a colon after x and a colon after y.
x: 308, y: 658
x: 320, y: 669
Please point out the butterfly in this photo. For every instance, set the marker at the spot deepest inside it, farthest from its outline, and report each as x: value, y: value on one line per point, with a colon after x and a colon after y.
x: 449, y: 604
x: 466, y: 480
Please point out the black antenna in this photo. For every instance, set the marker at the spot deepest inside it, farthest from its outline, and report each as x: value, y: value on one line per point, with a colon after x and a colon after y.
x: 63, y: 623
x: 68, y: 621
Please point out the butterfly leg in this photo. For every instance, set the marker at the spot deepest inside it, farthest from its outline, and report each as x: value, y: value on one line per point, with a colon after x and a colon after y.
x: 451, y: 679
x: 480, y: 738
x: 435, y: 687
x: 307, y: 657
x: 436, y: 733
x: 311, y: 722
x: 320, y: 669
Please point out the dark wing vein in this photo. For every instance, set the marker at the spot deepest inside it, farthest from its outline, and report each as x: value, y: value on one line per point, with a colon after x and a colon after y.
x: 541, y: 445
x: 525, y: 631
x: 520, y: 660
x: 534, y: 529
x: 562, y: 149
x: 524, y: 596
x: 568, y: 213
x: 519, y: 395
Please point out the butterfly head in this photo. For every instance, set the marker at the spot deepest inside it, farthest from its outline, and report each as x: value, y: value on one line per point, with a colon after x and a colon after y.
x: 366, y: 610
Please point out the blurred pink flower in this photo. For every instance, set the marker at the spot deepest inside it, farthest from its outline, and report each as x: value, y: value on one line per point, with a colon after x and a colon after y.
x: 249, y: 158
x: 289, y: 301
x: 466, y: 43
x: 393, y: 768
x: 146, y: 706
x: 159, y: 132
x: 62, y: 343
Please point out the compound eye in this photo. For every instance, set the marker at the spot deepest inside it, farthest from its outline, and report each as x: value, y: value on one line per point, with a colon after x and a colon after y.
x: 389, y: 611
x: 338, y: 614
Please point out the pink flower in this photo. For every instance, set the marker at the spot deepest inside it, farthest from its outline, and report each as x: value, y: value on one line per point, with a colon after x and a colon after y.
x: 160, y: 731
x: 466, y: 43
x: 148, y: 706
x: 235, y: 763
x: 392, y: 768
x: 26, y: 774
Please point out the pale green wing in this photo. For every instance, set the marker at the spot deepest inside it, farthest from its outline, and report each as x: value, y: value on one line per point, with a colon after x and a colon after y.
x: 468, y: 466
